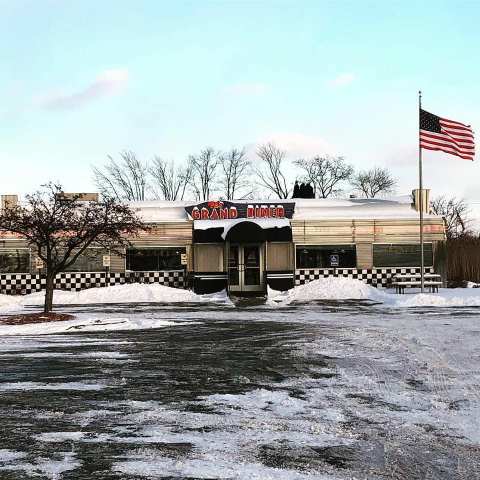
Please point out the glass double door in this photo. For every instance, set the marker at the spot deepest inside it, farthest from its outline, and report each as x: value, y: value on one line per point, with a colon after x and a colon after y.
x: 245, y: 268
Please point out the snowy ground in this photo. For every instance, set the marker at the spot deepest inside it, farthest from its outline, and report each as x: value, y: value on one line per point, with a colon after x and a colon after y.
x: 302, y: 387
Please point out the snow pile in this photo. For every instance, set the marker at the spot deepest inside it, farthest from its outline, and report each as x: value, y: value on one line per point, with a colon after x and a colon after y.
x: 10, y: 302
x: 339, y: 288
x: 131, y: 293
x: 447, y: 297
x: 330, y: 288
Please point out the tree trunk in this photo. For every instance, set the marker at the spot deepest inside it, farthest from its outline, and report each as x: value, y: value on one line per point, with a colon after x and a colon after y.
x: 49, y: 292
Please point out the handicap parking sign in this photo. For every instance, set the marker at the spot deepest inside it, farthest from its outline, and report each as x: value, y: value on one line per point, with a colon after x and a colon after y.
x: 334, y: 260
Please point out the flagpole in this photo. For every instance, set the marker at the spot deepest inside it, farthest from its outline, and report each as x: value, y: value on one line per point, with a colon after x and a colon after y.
x: 421, y: 201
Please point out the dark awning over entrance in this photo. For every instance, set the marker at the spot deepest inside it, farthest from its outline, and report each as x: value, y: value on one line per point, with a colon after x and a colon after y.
x: 242, y: 231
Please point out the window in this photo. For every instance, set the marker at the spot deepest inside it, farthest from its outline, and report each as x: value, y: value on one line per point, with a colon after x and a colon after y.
x: 14, y: 260
x: 326, y: 256
x: 89, y: 261
x: 389, y: 255
x: 154, y: 259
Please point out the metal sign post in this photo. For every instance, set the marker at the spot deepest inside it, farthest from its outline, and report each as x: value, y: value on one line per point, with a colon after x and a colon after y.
x: 421, y: 198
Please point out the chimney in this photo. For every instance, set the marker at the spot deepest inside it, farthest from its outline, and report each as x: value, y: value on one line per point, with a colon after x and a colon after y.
x: 421, y: 200
x: 8, y: 201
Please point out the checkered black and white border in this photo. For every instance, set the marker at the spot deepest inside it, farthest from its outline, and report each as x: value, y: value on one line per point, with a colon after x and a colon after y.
x: 23, y: 283
x: 375, y: 276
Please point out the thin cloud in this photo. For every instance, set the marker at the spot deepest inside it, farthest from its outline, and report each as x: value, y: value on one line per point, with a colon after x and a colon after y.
x: 343, y: 80
x: 299, y: 145
x: 109, y: 82
x: 241, y: 89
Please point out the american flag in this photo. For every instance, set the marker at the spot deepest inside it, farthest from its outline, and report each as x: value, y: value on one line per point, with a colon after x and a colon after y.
x: 437, y: 133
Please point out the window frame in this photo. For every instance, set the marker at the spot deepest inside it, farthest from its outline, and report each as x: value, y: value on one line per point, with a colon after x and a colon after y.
x: 399, y: 245
x: 156, y: 247
x: 102, y: 268
x: 29, y: 263
x: 325, y: 246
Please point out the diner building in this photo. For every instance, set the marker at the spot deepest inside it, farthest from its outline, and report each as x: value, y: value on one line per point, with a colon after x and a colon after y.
x: 247, y: 246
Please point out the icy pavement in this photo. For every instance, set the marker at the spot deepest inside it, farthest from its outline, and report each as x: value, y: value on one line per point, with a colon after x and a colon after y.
x: 325, y: 390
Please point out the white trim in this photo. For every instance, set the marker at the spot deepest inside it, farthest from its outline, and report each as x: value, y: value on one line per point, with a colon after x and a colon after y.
x: 155, y: 246
x: 154, y: 271
x: 400, y: 243
x: 212, y: 277
x: 280, y: 275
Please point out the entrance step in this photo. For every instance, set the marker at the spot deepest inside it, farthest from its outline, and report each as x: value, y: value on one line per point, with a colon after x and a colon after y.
x: 248, y: 301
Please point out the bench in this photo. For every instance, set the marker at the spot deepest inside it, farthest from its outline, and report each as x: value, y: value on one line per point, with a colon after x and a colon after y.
x: 432, y: 282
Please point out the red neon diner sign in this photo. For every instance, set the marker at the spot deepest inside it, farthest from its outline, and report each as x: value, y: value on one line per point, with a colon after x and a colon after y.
x: 225, y: 210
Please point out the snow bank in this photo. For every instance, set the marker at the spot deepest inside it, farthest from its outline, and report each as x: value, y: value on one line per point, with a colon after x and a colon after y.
x: 9, y: 302
x: 131, y: 293
x: 330, y: 288
x: 447, y: 297
x: 339, y: 288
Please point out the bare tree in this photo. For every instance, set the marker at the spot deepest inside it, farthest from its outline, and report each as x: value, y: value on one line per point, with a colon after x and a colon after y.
x: 203, y: 171
x: 374, y: 181
x: 61, y: 228
x: 326, y: 174
x: 455, y: 213
x: 169, y: 182
x: 234, y: 165
x: 125, y: 179
x: 270, y: 171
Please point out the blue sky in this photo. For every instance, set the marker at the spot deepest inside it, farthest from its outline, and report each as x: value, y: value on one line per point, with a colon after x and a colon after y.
x: 80, y: 80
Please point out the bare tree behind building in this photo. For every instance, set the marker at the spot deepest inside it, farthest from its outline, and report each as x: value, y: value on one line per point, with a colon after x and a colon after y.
x: 455, y: 213
x: 373, y: 182
x: 169, y: 182
x: 326, y: 174
x: 203, y: 175
x: 235, y: 166
x: 123, y: 179
x: 270, y: 171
